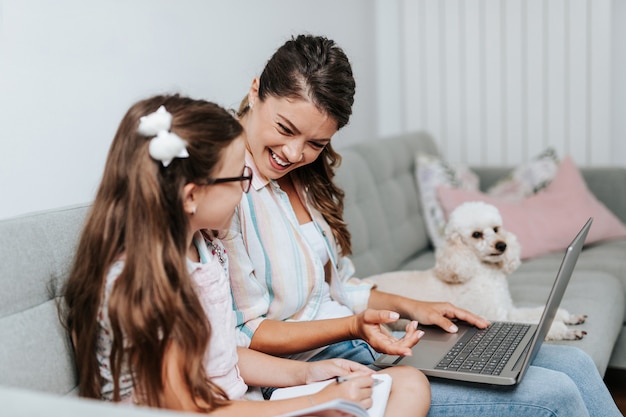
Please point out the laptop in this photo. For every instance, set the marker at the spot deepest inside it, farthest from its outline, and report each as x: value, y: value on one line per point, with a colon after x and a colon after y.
x: 445, y: 355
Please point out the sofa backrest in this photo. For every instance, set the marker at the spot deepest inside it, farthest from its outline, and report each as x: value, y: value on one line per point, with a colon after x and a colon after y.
x: 36, y: 253
x: 382, y: 206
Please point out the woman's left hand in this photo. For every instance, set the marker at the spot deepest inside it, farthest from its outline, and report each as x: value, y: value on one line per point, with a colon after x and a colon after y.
x: 441, y: 314
x: 426, y: 312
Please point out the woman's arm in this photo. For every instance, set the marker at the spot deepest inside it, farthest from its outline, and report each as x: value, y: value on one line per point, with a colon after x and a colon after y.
x: 282, y: 337
x: 287, y: 337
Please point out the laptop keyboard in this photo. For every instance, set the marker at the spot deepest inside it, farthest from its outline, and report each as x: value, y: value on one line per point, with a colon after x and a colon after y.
x: 487, y: 350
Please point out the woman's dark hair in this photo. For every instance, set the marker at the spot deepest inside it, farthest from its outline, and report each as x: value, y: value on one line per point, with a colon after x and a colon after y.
x: 315, y: 69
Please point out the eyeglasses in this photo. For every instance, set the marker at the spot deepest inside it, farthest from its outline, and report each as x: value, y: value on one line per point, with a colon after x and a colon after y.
x: 246, y: 179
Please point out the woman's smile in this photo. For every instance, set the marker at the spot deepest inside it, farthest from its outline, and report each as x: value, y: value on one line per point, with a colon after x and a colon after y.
x: 277, y: 162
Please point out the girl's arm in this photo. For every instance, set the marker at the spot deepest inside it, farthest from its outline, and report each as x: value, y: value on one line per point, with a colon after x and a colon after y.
x: 260, y: 369
x: 357, y: 389
x: 177, y: 396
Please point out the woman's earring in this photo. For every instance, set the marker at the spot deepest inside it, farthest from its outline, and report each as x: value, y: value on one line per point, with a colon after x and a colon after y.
x: 193, y: 211
x: 250, y: 105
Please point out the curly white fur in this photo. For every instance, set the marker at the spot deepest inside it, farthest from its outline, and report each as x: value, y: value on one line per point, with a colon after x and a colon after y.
x: 471, y: 269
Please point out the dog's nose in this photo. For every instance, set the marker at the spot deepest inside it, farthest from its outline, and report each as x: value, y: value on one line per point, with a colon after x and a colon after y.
x: 501, y: 246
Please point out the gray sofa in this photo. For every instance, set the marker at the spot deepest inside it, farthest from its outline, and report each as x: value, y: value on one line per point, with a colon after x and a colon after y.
x: 384, y: 215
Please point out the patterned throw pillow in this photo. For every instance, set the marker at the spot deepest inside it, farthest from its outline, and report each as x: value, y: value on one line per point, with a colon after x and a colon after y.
x: 523, y: 181
x: 527, y: 179
x: 431, y: 172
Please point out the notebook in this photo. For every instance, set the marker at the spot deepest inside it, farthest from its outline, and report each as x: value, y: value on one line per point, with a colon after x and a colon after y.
x: 505, y: 365
x: 380, y: 395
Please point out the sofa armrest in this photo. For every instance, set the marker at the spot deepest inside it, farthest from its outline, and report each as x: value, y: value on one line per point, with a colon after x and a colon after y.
x: 21, y: 402
x: 608, y: 184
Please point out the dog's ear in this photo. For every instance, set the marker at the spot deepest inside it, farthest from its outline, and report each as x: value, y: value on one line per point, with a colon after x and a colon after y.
x: 511, y: 260
x: 454, y: 262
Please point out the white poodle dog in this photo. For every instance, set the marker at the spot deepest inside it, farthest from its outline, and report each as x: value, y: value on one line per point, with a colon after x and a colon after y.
x: 471, y: 272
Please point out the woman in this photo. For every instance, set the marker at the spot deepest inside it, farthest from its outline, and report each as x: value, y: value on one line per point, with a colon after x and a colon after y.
x: 292, y: 284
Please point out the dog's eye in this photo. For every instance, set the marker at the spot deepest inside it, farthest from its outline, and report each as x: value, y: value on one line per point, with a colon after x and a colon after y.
x: 496, y: 229
x: 477, y: 235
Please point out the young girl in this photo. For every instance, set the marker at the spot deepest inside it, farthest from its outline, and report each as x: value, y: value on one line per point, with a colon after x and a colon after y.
x: 293, y: 285
x: 147, y: 274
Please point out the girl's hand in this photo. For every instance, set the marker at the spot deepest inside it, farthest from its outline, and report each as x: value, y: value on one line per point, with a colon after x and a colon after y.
x: 369, y: 326
x: 330, y: 368
x: 357, y: 389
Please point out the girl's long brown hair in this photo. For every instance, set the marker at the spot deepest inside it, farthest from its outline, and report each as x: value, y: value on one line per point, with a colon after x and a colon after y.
x: 138, y: 214
x: 315, y: 68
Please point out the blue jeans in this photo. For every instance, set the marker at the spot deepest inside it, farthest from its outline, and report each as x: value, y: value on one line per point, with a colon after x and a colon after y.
x: 562, y: 381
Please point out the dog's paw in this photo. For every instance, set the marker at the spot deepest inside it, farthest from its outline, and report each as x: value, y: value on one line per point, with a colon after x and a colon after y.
x: 576, y: 319
x: 569, y: 318
x: 574, y: 334
x: 559, y: 331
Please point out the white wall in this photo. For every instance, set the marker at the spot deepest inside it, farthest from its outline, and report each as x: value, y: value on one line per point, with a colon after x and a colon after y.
x: 618, y: 126
x: 498, y: 81
x: 69, y: 69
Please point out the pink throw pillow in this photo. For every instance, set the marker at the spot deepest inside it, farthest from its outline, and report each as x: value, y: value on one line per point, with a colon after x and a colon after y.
x: 548, y: 220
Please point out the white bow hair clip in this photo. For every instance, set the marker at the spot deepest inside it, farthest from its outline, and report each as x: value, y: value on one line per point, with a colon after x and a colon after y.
x: 165, y: 145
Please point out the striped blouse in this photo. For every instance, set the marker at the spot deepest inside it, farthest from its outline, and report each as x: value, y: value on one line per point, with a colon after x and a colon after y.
x: 274, y: 271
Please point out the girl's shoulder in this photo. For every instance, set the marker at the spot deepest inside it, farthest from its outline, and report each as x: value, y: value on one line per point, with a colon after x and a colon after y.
x: 113, y: 273
x: 212, y: 250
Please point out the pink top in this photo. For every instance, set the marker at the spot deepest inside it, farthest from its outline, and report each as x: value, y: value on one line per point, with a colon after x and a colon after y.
x: 213, y: 290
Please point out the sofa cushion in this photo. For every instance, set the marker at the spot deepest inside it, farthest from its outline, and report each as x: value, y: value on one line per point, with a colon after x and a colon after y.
x: 600, y: 293
x: 382, y: 206
x: 607, y: 257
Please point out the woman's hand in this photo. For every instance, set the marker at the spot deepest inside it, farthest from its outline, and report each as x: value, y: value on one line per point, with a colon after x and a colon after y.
x: 369, y: 326
x: 357, y: 389
x: 440, y: 314
x: 330, y: 368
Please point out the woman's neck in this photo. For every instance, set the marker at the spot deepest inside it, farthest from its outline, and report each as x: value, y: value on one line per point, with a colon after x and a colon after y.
x: 287, y: 185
